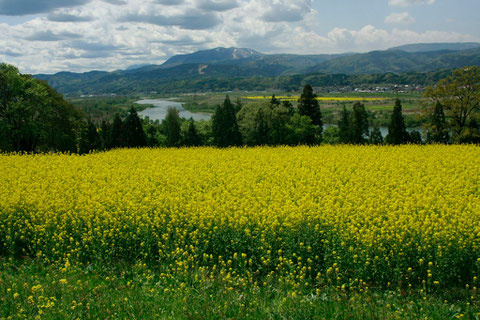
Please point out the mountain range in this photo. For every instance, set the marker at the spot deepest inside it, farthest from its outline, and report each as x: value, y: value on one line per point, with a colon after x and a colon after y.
x: 237, y: 65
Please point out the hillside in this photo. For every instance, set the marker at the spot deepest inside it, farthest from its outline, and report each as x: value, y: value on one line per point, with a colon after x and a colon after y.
x: 246, y: 69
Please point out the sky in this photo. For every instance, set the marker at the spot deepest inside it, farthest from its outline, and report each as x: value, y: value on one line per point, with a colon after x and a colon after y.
x: 48, y: 36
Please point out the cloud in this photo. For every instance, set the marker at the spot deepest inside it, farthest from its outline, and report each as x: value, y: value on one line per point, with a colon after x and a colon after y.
x: 10, y: 53
x: 24, y: 7
x: 190, y: 20
x: 217, y: 5
x: 66, y: 17
x: 170, y: 2
x: 406, y: 3
x: 399, y: 18
x: 287, y: 10
x: 50, y: 36
x: 116, y: 2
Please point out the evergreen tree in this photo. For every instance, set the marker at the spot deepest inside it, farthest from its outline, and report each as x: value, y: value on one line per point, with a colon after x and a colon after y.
x: 274, y: 102
x: 192, y: 138
x: 359, y: 123
x: 90, y: 139
x: 308, y: 106
x: 261, y: 131
x: 172, y: 127
x: 438, y: 131
x: 344, y: 127
x: 375, y: 136
x: 397, y: 132
x: 116, y: 133
x: 224, y: 126
x: 134, y: 136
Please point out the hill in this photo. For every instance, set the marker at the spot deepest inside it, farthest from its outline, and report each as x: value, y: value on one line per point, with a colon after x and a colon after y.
x: 235, y: 68
x: 425, y: 47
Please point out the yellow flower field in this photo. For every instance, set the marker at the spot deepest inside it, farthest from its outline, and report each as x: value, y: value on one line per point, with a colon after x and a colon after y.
x: 295, y: 98
x: 345, y: 215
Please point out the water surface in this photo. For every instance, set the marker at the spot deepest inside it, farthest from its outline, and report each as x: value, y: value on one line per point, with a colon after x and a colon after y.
x: 159, y: 111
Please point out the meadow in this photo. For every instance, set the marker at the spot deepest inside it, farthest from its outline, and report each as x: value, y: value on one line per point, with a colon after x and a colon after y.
x: 287, y: 232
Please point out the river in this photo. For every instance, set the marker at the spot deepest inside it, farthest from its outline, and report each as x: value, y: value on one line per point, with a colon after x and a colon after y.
x: 159, y: 111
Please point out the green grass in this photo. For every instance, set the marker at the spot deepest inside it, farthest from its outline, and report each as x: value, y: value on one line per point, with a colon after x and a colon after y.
x: 35, y: 289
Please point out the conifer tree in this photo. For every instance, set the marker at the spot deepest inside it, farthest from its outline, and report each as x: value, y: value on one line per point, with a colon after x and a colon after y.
x: 438, y: 131
x: 359, y: 123
x: 172, y: 127
x: 224, y: 126
x: 308, y: 106
x: 344, y: 126
x: 192, y: 138
x: 116, y: 133
x: 133, y: 133
x: 397, y: 132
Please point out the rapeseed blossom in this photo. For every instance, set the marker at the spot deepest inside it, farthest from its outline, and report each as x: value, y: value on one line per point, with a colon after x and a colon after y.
x: 347, y: 216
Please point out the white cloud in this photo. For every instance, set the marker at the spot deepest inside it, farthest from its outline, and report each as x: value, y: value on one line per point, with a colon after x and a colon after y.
x: 399, y: 18
x: 98, y: 35
x: 406, y: 3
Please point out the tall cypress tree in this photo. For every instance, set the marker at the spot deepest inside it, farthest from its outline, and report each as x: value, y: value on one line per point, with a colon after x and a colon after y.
x: 116, y: 133
x: 192, y: 138
x: 134, y: 136
x: 224, y: 126
x: 308, y: 106
x: 438, y: 131
x: 344, y: 126
x: 172, y: 127
x: 359, y: 123
x: 397, y: 132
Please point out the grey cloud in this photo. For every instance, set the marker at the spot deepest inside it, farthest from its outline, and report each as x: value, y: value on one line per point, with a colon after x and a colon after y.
x: 184, y: 41
x: 116, y: 2
x: 218, y: 5
x: 11, y: 53
x: 24, y: 7
x: 65, y: 17
x: 93, y: 46
x: 191, y: 20
x: 170, y: 2
x: 50, y: 36
x: 281, y: 13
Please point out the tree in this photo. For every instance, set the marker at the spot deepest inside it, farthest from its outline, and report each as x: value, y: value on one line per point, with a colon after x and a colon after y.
x: 302, y: 131
x: 459, y: 94
x: 133, y: 133
x: 261, y: 131
x: 116, y: 133
x: 344, y: 127
x: 397, y: 132
x: 224, y: 126
x: 375, y: 136
x: 172, y: 127
x: 192, y: 138
x: 359, y: 124
x: 90, y: 138
x: 33, y: 116
x: 438, y: 130
x: 308, y: 106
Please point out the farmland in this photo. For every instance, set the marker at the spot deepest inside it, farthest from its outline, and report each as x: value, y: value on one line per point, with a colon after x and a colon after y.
x: 241, y: 232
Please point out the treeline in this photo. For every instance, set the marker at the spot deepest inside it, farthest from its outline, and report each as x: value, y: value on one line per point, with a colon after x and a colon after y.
x: 35, y: 118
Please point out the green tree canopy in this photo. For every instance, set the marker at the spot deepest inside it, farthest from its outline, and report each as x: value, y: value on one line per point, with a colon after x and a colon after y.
x: 33, y: 116
x: 172, y: 127
x: 459, y: 95
x: 397, y: 132
x: 308, y: 106
x: 224, y: 126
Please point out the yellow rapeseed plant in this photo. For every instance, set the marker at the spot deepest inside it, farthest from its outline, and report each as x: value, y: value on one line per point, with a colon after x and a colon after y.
x: 341, y: 215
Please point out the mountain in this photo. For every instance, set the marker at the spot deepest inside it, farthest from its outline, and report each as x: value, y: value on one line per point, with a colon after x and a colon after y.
x: 213, y: 56
x: 234, y: 68
x: 425, y: 47
x: 377, y: 62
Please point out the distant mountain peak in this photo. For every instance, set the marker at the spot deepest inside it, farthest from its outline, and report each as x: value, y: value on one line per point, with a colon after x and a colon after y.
x: 213, y: 55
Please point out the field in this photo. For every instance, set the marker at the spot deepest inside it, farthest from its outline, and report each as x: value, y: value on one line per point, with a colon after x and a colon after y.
x: 327, y: 232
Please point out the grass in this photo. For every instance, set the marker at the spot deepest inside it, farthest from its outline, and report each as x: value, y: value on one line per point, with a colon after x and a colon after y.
x: 34, y: 289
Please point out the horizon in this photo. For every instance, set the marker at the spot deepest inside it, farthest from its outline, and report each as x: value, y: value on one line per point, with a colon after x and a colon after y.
x: 50, y: 36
